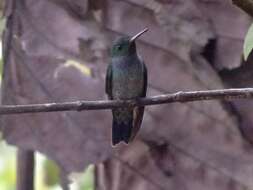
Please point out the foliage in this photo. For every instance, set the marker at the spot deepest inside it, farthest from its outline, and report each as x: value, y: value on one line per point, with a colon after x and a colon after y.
x: 248, y: 43
x: 84, y: 180
x: 7, y: 167
x: 47, y: 172
x: 48, y: 176
x: 52, y: 172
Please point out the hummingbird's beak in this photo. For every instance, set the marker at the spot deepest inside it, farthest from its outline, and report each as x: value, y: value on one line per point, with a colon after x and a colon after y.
x: 137, y: 35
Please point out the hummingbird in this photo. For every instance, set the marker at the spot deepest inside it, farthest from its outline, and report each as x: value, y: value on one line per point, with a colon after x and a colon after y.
x: 126, y: 78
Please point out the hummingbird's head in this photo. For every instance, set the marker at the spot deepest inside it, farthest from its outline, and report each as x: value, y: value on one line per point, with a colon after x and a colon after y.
x: 125, y: 46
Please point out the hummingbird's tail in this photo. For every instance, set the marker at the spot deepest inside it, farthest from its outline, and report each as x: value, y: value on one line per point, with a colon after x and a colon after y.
x: 122, y: 125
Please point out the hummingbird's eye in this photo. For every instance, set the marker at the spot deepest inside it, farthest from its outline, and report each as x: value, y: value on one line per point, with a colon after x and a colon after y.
x: 119, y: 47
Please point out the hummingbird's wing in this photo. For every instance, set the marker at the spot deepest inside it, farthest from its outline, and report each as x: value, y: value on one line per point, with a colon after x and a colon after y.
x: 144, y: 90
x: 108, y: 82
x: 139, y: 111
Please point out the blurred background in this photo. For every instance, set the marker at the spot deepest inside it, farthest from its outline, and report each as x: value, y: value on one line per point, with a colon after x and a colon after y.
x: 58, y: 50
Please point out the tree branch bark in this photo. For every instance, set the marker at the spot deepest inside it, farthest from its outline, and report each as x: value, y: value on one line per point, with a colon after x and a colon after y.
x: 190, y: 96
x: 245, y: 5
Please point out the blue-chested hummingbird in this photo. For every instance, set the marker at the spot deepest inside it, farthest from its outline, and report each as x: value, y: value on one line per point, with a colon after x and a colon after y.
x: 126, y: 78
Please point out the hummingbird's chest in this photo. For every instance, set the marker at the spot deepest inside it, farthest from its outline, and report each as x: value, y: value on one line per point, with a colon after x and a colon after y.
x: 127, y: 79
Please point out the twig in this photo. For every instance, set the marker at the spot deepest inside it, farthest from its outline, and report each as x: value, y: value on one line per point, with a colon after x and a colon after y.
x: 224, y: 94
x: 245, y: 5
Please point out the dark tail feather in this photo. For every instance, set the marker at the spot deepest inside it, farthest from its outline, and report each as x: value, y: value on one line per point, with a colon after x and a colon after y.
x: 122, y: 126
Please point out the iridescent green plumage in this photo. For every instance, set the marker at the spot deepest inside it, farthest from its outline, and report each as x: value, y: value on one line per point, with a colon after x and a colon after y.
x: 126, y: 78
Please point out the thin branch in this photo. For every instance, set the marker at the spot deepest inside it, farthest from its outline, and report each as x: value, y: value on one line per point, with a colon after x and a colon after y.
x: 224, y: 94
x: 245, y: 5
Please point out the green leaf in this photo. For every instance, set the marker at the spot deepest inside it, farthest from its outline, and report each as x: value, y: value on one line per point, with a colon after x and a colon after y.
x: 87, y: 182
x: 248, y: 43
x: 52, y: 176
x: 84, y: 180
x: 7, y: 167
